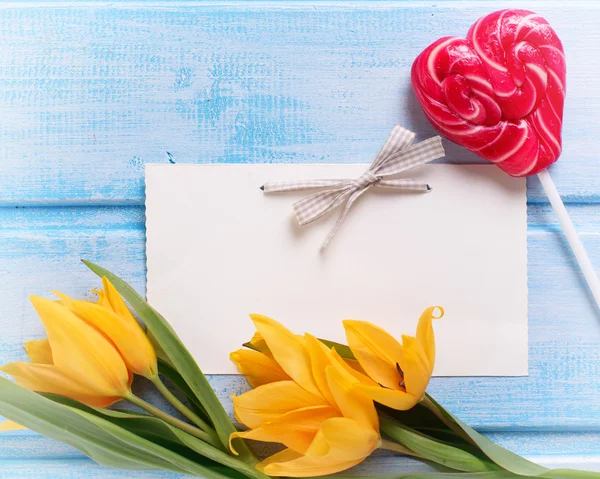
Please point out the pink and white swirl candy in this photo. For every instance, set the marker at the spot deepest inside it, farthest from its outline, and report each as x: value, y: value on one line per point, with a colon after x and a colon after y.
x: 500, y: 92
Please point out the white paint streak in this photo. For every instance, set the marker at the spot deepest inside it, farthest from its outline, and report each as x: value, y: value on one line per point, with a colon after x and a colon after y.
x: 523, y: 126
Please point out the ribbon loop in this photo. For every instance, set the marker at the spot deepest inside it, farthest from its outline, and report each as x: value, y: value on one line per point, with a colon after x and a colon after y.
x: 397, y: 155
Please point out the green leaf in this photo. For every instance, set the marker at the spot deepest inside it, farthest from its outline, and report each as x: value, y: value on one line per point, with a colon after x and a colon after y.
x: 419, y: 418
x: 159, y: 432
x: 104, y: 442
x: 185, y: 463
x: 423, y: 420
x: 433, y: 450
x: 503, y: 457
x: 420, y: 422
x: 168, y: 371
x: 178, y: 355
x: 160, y: 353
x: 569, y: 474
x: 435, y: 475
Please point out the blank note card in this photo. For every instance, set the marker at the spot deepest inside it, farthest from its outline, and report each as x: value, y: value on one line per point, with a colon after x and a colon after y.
x: 219, y: 249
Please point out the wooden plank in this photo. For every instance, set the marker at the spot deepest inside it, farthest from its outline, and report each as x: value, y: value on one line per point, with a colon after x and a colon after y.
x: 68, y: 469
x: 540, y: 217
x: 85, y: 469
x: 40, y: 250
x: 91, y: 92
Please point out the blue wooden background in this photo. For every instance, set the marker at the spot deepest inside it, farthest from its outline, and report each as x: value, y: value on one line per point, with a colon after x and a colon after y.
x: 91, y: 91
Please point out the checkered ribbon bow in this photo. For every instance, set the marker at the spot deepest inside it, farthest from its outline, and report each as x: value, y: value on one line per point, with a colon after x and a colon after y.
x: 397, y: 155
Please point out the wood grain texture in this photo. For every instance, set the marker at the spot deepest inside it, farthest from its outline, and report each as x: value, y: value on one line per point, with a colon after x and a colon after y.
x: 83, y: 468
x: 91, y: 92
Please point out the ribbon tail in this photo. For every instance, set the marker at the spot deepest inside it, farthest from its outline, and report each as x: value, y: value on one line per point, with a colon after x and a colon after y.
x: 353, y: 197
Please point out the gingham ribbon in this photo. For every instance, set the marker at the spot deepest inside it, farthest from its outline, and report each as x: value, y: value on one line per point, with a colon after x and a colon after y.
x: 397, y: 155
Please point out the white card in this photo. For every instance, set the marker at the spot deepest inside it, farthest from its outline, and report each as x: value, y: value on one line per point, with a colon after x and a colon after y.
x: 219, y: 249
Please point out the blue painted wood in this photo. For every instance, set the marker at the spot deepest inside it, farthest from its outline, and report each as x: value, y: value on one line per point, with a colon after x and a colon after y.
x: 90, y: 92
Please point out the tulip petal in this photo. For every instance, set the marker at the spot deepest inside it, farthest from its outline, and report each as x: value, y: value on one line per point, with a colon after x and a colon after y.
x: 416, y: 367
x: 425, y: 335
x: 259, y: 343
x: 38, y: 351
x: 354, y: 364
x: 288, y: 350
x: 320, y: 358
x: 283, y: 456
x: 353, y: 369
x: 399, y: 400
x: 351, y: 402
x: 80, y: 349
x: 270, y: 401
x: 116, y: 302
x: 258, y: 434
x: 257, y: 367
x: 63, y: 299
x: 11, y: 426
x: 344, y: 439
x: 376, y: 350
x: 125, y: 333
x: 340, y: 444
x: 288, y: 463
x: 46, y: 378
x: 103, y: 299
x: 295, y: 429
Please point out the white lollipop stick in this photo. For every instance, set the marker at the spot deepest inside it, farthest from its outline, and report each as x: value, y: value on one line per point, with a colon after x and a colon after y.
x: 567, y: 225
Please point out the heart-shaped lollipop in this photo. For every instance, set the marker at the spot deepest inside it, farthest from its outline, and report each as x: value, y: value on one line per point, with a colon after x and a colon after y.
x: 500, y: 92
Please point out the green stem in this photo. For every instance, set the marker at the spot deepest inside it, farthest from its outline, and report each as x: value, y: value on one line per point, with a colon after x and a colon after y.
x: 395, y: 447
x: 182, y: 408
x: 433, y: 450
x: 173, y: 421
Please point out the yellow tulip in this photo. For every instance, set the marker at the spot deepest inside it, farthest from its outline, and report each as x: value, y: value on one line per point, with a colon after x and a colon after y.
x: 76, y: 360
x: 258, y: 367
x: 307, y: 401
x: 257, y: 364
x: 112, y: 317
x: 401, y: 370
x: 39, y: 351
